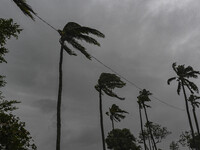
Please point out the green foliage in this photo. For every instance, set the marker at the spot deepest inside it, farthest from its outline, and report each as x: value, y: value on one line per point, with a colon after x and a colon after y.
x: 72, y: 32
x: 174, y: 146
x: 121, y: 139
x: 25, y: 8
x: 115, y: 113
x: 107, y: 82
x: 158, y: 132
x: 186, y: 140
x: 8, y: 29
x: 13, y: 135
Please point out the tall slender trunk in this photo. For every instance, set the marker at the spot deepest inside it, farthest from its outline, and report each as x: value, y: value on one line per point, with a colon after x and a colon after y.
x: 59, y: 101
x: 154, y: 143
x: 188, y: 113
x: 113, y: 126
x: 195, y: 118
x: 101, y: 120
x: 141, y: 125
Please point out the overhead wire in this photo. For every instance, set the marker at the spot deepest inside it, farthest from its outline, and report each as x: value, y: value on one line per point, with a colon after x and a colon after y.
x: 106, y: 66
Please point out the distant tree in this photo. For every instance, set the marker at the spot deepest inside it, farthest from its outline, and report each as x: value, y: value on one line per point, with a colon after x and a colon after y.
x: 116, y: 114
x: 13, y: 135
x: 106, y: 83
x: 8, y: 29
x: 142, y: 99
x: 174, y: 146
x: 193, y: 100
x: 141, y: 125
x: 183, y: 74
x: 158, y: 132
x: 121, y: 139
x: 71, y: 33
x: 25, y: 8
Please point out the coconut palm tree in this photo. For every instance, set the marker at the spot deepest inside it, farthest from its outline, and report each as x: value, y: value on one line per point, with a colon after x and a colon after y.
x: 116, y: 114
x: 106, y: 83
x: 71, y: 33
x: 193, y: 100
x: 142, y: 99
x: 182, y: 76
x: 25, y: 8
x: 141, y: 124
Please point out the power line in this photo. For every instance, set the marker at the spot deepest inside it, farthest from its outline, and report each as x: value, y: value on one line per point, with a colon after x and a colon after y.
x: 135, y: 85
x: 130, y: 82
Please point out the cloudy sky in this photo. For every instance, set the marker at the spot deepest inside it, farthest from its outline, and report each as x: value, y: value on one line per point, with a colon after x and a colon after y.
x: 143, y: 39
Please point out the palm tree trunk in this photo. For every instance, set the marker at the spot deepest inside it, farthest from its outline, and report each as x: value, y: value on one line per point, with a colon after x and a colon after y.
x: 101, y: 119
x: 188, y: 113
x: 113, y: 127
x: 59, y: 101
x: 141, y: 124
x: 195, y: 118
x: 154, y: 143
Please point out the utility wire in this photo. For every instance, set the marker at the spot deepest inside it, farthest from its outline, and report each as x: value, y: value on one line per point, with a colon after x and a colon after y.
x: 106, y: 66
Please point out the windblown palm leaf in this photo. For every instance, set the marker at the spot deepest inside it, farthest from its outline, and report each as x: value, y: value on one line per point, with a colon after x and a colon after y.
x: 107, y: 82
x: 25, y: 8
x: 144, y: 97
x: 183, y: 74
x: 115, y: 113
x: 73, y: 32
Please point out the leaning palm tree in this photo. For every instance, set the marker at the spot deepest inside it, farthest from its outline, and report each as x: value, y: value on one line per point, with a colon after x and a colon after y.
x: 142, y: 99
x: 182, y: 76
x: 25, y: 8
x: 116, y: 114
x: 193, y: 100
x: 141, y: 124
x: 106, y: 83
x: 71, y: 33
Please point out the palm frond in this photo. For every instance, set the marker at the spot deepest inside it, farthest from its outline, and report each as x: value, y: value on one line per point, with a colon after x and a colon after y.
x: 88, y: 39
x: 112, y: 94
x: 174, y: 67
x: 25, y: 8
x: 70, y: 26
x: 69, y: 51
x: 192, y: 86
x: 170, y: 79
x: 79, y: 47
x: 87, y: 30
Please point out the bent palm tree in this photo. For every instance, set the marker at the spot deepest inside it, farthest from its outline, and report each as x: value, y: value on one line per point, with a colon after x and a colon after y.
x: 142, y: 98
x: 141, y: 124
x: 116, y: 114
x: 71, y: 33
x: 195, y: 104
x: 106, y: 83
x: 25, y: 8
x: 183, y: 74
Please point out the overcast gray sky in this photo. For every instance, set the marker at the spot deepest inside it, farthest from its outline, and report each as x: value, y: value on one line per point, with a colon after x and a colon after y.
x: 143, y: 39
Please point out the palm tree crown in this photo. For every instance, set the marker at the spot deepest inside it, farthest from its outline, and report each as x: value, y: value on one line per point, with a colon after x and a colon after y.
x: 25, y: 8
x: 107, y: 82
x: 116, y: 114
x: 73, y: 32
x: 183, y: 74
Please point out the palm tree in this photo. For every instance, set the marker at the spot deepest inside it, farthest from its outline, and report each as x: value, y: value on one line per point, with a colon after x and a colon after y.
x: 71, y: 33
x: 142, y: 98
x: 106, y: 83
x: 195, y: 104
x: 25, y: 8
x: 115, y: 114
x: 141, y: 125
x: 183, y: 74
